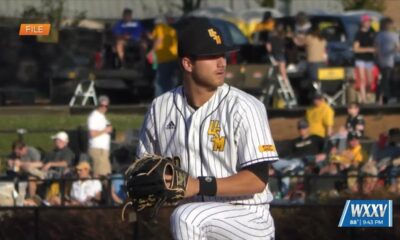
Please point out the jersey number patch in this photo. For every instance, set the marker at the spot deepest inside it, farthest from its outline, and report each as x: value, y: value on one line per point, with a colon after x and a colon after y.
x: 214, y: 130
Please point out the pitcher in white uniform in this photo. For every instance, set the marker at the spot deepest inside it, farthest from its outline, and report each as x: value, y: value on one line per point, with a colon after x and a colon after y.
x: 223, y: 138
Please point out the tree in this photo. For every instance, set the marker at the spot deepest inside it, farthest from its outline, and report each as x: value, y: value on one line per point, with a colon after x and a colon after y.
x: 190, y: 5
x: 50, y: 11
x: 376, y: 5
x: 267, y: 3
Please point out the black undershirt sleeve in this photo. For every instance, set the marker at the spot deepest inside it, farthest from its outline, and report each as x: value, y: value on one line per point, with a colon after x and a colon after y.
x: 260, y: 170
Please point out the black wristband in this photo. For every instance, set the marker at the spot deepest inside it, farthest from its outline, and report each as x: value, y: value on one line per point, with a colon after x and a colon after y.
x: 208, y: 186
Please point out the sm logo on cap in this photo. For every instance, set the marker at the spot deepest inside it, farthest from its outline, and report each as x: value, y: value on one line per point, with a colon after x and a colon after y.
x: 214, y: 35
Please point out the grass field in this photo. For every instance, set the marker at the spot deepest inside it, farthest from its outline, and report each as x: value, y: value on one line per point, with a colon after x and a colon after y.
x: 41, y: 127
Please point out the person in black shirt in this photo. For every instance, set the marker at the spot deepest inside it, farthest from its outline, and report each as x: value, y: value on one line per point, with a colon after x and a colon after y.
x: 363, y: 48
x: 306, y: 148
x: 355, y: 121
x: 276, y: 48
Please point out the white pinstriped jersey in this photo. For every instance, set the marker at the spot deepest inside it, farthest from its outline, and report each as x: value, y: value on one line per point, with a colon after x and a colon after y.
x: 229, y: 132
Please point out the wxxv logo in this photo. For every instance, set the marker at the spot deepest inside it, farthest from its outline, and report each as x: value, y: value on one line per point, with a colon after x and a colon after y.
x: 367, y: 213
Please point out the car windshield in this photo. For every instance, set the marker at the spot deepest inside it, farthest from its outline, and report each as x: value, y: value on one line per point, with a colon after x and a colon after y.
x: 331, y: 28
x: 232, y: 34
x: 352, y: 25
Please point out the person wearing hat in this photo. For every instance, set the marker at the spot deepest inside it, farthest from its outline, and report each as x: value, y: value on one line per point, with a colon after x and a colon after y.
x: 100, y: 130
x: 223, y: 138
x: 85, y: 191
x: 60, y: 160
x: 320, y: 117
x: 364, y: 50
x: 55, y: 164
x: 350, y: 158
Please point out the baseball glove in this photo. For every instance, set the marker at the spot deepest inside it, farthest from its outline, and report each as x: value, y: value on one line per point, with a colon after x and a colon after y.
x: 153, y: 180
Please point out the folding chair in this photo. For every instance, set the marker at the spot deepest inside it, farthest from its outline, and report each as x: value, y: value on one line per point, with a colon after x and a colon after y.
x: 332, y: 84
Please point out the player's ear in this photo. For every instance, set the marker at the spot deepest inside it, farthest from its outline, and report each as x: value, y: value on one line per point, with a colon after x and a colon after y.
x: 187, y: 64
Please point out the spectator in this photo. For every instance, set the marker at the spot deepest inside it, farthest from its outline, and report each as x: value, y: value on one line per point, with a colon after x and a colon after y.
x: 60, y: 160
x: 386, y: 45
x: 56, y: 163
x: 25, y: 161
x: 363, y: 48
x: 315, y: 46
x: 263, y: 29
x: 307, y: 145
x: 395, y: 187
x: 350, y: 158
x: 85, y: 191
x: 320, y: 117
x: 370, y: 181
x: 126, y: 30
x: 305, y: 149
x: 99, y: 138
x: 165, y: 47
x: 355, y: 121
x: 383, y: 157
x: 302, y: 28
x: 276, y: 48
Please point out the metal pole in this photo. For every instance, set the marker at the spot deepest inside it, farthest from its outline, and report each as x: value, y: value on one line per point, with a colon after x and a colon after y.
x: 36, y: 216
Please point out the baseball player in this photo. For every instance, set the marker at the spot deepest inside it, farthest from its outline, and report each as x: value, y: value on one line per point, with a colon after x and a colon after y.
x: 224, y: 141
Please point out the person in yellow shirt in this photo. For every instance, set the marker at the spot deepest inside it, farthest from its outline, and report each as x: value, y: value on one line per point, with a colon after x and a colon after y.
x: 320, y: 117
x: 165, y: 50
x: 351, y: 157
x: 263, y: 29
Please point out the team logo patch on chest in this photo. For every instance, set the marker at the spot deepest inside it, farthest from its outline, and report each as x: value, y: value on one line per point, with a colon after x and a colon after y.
x: 217, y: 140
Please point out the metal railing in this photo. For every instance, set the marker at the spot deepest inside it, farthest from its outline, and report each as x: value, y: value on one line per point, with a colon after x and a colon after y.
x: 312, y: 186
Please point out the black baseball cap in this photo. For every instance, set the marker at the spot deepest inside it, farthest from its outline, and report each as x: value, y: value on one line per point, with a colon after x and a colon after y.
x: 302, y: 124
x: 318, y: 95
x: 200, y: 38
x: 353, y: 135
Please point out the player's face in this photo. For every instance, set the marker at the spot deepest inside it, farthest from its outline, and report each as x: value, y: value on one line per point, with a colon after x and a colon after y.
x: 209, y: 71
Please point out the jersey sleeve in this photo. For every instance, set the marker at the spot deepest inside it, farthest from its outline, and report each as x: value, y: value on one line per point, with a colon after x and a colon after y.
x: 147, y: 138
x: 254, y: 143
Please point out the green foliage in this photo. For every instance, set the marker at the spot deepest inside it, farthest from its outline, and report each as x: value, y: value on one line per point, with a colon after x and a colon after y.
x: 41, y: 127
x: 375, y: 5
x: 51, y: 11
x: 267, y: 3
x: 190, y: 5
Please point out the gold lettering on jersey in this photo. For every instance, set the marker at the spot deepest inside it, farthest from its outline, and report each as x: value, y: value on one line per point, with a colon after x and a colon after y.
x: 218, y: 141
x: 214, y: 35
x: 214, y: 128
x: 266, y: 148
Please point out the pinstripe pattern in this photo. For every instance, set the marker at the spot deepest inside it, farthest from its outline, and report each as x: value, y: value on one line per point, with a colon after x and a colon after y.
x: 216, y: 220
x: 229, y: 132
